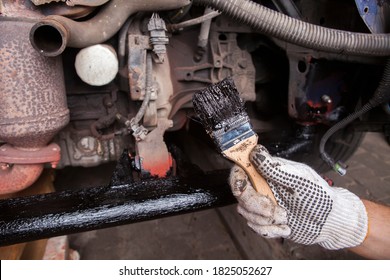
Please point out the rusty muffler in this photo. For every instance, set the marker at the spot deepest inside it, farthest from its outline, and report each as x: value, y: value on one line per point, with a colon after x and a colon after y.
x: 33, y: 106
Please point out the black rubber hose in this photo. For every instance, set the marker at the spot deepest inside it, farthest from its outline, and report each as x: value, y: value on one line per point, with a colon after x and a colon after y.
x: 301, y: 33
x: 381, y: 95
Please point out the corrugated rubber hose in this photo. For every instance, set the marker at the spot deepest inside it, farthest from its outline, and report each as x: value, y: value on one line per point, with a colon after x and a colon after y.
x: 275, y: 24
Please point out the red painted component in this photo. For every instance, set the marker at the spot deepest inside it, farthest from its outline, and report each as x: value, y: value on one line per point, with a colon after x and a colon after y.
x: 152, y: 153
x: 159, y: 167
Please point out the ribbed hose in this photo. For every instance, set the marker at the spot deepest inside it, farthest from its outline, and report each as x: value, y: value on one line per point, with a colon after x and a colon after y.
x: 381, y: 95
x: 301, y: 33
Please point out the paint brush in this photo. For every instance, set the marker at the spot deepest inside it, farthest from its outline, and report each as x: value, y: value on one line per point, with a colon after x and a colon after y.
x: 222, y: 113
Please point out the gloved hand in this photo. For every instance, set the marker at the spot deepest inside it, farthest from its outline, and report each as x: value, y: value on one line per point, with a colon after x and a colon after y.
x: 309, y: 210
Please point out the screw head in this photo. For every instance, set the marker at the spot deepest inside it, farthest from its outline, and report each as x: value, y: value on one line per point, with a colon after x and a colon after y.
x: 4, y: 166
x: 326, y: 98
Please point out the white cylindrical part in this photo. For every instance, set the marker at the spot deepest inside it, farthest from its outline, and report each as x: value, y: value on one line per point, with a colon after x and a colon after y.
x: 97, y: 65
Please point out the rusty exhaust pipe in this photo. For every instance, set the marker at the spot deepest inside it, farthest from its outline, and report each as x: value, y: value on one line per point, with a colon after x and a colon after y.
x: 53, y: 34
x: 14, y: 178
x: 33, y: 106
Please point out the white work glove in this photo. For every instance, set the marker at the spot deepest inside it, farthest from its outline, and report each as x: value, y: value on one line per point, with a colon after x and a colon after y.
x: 309, y: 210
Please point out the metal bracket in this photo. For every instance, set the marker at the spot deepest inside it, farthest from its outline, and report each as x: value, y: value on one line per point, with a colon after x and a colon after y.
x: 153, y: 158
x: 12, y: 155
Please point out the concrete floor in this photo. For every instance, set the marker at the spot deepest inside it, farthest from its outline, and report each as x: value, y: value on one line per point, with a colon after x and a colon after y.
x: 222, y: 233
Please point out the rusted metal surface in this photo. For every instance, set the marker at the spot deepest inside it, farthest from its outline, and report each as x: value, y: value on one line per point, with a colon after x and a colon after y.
x: 73, y: 12
x: 32, y: 106
x: 223, y: 58
x: 32, y: 92
x: 19, y: 9
x: 138, y: 45
x: 154, y: 76
x: 94, y: 31
x: 92, y: 3
x: 14, y: 178
x: 42, y: 2
x: 25, y: 9
x: 12, y: 155
x: 153, y: 158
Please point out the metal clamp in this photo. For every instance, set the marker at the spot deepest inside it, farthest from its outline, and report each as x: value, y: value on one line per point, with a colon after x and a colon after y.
x: 12, y: 155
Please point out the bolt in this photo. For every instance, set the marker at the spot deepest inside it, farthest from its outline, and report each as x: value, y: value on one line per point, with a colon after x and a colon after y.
x: 5, y: 166
x: 325, y: 98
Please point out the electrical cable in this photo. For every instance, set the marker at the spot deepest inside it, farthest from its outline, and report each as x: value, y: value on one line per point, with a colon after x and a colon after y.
x: 381, y: 95
x: 278, y: 25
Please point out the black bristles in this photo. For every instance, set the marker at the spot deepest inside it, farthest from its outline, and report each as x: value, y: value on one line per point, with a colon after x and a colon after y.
x: 217, y: 104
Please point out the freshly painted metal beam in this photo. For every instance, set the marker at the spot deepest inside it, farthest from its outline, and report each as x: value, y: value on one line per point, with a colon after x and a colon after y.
x: 40, y: 216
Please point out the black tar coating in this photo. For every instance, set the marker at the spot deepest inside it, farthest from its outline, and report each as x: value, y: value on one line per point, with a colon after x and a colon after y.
x: 217, y: 104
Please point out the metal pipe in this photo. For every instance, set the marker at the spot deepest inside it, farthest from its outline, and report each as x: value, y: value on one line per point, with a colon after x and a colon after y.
x: 54, y: 33
x: 14, y: 178
x: 204, y: 32
x: 208, y: 16
x: 42, y: 216
x: 33, y: 104
x: 90, y: 3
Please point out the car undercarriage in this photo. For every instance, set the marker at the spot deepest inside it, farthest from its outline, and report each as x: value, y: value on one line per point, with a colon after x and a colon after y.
x: 109, y: 84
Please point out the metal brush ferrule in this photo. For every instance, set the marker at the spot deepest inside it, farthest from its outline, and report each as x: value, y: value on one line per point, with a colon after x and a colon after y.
x: 232, y: 132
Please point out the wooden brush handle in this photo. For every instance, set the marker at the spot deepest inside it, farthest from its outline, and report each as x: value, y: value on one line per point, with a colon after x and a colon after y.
x: 240, y: 155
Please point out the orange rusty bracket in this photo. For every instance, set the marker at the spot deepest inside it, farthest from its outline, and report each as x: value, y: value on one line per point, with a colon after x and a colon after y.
x: 152, y: 153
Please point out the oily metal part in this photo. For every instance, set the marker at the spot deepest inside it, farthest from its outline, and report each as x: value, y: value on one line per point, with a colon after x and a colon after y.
x: 32, y: 101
